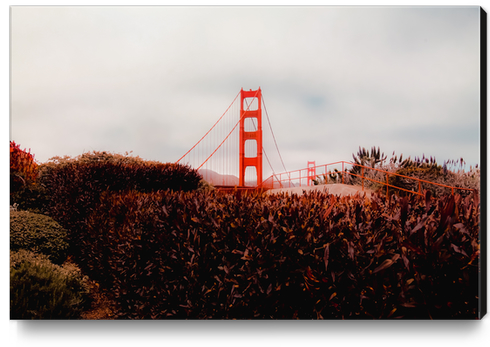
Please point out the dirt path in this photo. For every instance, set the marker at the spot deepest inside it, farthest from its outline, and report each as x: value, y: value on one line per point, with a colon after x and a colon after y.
x: 102, y: 307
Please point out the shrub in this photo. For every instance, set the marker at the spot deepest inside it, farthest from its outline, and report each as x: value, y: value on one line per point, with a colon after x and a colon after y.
x: 427, y: 169
x: 74, y: 186
x: 32, y: 198
x: 38, y: 233
x: 205, y: 186
x: 421, y: 168
x: 25, y: 188
x: 455, y: 174
x: 40, y: 289
x: 366, y: 158
x: 332, y: 177
x: 23, y: 169
x: 206, y: 255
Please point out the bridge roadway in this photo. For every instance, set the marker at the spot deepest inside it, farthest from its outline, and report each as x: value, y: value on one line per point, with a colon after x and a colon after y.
x: 335, y: 188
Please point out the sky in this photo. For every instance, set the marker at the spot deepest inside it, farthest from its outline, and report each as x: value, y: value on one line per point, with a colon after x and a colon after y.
x: 152, y: 80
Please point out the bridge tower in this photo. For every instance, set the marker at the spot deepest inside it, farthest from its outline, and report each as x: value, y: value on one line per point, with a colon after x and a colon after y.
x: 250, y: 116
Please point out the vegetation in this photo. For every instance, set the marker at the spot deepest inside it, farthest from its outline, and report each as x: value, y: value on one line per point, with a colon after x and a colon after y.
x: 366, y: 158
x: 420, y: 168
x: 23, y: 172
x: 32, y: 198
x: 165, y: 244
x: 40, y: 289
x: 67, y: 189
x: 330, y: 177
x: 23, y: 169
x: 38, y: 233
x: 75, y: 186
x: 210, y: 255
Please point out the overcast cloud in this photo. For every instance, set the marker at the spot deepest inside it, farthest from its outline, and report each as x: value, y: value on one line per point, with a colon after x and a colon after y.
x: 153, y: 80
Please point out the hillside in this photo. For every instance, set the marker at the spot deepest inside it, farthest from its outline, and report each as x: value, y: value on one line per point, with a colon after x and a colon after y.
x: 218, y: 179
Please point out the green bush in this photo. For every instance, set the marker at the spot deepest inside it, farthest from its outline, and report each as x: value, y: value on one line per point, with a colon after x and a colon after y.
x: 40, y: 289
x: 38, y: 233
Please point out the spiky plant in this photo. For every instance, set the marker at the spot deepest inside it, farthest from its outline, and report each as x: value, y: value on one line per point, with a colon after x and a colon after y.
x: 373, y: 159
x: 366, y: 158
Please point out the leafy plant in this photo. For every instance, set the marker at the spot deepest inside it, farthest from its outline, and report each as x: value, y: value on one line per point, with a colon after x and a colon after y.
x: 26, y: 188
x: 202, y: 255
x: 75, y: 186
x: 40, y: 289
x: 32, y: 198
x: 23, y: 168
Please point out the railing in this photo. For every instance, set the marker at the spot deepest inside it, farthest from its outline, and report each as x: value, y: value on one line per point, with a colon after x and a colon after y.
x: 301, y: 178
x: 225, y: 188
x: 298, y: 178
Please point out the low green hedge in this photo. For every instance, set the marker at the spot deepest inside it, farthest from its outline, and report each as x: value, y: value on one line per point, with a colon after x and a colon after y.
x: 38, y: 233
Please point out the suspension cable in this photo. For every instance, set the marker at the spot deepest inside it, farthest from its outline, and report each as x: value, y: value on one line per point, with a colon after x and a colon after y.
x: 241, y: 116
x: 263, y: 149
x: 210, y: 130
x: 275, y: 142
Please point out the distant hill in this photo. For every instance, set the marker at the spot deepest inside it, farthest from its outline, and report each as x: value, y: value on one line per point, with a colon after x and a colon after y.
x: 227, y: 180
x: 218, y: 179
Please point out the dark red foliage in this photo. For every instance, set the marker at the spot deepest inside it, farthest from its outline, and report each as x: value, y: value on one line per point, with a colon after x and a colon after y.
x: 75, y: 188
x: 202, y: 255
x: 23, y: 168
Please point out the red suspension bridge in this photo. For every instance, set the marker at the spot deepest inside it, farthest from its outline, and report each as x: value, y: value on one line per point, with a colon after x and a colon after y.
x: 231, y: 154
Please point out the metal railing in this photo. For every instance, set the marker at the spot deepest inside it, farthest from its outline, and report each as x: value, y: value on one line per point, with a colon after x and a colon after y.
x: 301, y: 178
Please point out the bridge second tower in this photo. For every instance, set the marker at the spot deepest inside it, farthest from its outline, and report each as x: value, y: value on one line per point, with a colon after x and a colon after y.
x: 250, y: 115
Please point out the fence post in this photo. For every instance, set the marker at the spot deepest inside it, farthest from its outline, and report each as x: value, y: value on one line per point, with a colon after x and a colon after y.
x: 420, y: 188
x: 387, y: 186
x: 362, y: 174
x: 342, y: 172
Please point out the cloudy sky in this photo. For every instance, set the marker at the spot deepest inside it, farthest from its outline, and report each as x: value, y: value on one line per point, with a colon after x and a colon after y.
x: 153, y: 80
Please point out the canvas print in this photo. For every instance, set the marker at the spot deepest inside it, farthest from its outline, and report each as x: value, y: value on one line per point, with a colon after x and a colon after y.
x: 247, y: 162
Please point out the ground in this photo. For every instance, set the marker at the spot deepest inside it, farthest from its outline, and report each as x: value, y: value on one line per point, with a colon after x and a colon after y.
x: 102, y: 307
